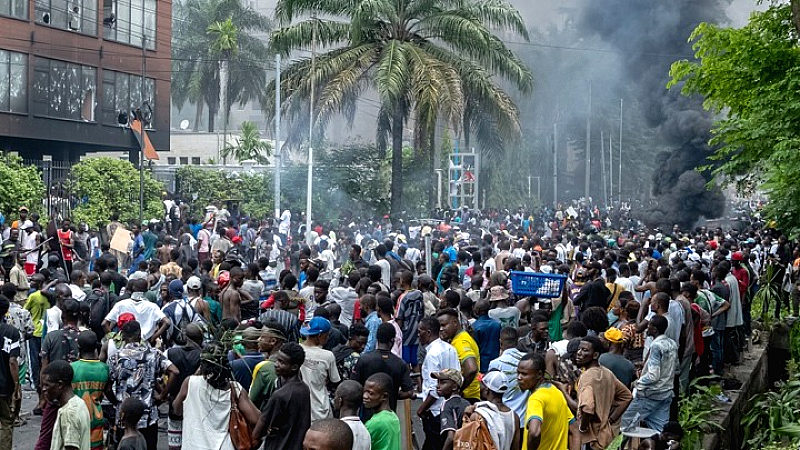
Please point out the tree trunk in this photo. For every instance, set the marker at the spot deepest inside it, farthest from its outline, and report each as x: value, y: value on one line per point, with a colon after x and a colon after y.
x: 796, y: 14
x: 212, y: 113
x: 397, y: 162
x: 198, y: 115
x: 430, y: 141
x: 223, y: 95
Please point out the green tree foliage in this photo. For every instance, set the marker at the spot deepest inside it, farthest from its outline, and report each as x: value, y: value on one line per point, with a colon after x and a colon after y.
x: 751, y: 77
x: 350, y: 181
x: 424, y: 59
x: 109, y: 186
x: 249, y: 145
x: 197, y: 54
x: 20, y: 185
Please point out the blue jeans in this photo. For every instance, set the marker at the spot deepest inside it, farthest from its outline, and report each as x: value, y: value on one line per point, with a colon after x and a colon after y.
x: 654, y: 413
x: 34, y: 347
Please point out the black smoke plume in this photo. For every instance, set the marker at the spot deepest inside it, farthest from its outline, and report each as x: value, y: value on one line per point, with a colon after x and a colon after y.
x: 650, y: 35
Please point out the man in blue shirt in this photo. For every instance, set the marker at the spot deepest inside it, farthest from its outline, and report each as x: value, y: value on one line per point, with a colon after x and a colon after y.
x: 486, y: 332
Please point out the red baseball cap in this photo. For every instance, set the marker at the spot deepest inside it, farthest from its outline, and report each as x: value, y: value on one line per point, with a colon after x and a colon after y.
x: 125, y: 318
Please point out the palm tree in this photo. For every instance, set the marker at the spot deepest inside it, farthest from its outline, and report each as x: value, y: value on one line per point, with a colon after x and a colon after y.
x: 225, y: 45
x: 196, y: 66
x: 425, y: 59
x: 249, y: 145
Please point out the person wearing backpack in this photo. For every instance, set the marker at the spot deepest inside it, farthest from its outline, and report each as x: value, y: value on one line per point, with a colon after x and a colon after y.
x: 58, y: 345
x: 100, y: 301
x: 500, y: 420
x: 180, y: 312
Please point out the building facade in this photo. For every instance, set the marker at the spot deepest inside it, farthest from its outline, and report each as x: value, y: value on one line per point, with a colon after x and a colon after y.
x: 71, y: 72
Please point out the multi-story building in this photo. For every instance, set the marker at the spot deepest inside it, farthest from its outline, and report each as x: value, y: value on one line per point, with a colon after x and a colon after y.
x: 71, y: 72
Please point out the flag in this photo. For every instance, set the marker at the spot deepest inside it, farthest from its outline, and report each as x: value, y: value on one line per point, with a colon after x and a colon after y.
x: 149, y: 152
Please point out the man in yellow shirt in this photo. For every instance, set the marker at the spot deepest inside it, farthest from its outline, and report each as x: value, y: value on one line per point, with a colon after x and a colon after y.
x: 466, y: 349
x: 549, y: 424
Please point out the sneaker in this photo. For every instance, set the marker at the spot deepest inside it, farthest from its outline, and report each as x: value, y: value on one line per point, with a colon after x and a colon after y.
x: 722, y: 398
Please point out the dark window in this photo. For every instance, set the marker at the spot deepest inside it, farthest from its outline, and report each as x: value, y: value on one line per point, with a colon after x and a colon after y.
x: 75, y: 15
x: 171, y: 160
x: 13, y: 81
x: 127, y: 20
x: 122, y: 94
x: 195, y: 160
x: 184, y: 160
x: 64, y: 90
x: 14, y: 8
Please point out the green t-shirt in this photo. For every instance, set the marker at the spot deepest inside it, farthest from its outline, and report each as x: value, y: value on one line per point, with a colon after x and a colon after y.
x: 384, y: 431
x: 263, y: 384
x: 215, y: 308
x: 88, y: 381
x: 37, y: 305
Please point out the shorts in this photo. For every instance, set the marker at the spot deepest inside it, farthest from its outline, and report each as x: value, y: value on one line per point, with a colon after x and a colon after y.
x: 410, y: 354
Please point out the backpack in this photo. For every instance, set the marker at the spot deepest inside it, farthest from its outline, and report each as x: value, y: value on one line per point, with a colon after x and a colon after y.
x: 473, y: 435
x: 174, y: 212
x: 189, y: 315
x: 99, y: 307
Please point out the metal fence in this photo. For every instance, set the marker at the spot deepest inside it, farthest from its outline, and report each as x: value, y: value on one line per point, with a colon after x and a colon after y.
x: 58, y: 182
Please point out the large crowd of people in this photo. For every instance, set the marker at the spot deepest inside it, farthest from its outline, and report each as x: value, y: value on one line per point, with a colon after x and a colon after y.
x: 246, y: 333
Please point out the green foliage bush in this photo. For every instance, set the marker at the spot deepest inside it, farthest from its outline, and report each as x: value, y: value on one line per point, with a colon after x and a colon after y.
x: 107, y: 186
x: 20, y: 185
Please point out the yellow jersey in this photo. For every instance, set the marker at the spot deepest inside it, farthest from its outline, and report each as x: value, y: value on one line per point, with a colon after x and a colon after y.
x: 547, y: 405
x: 466, y: 347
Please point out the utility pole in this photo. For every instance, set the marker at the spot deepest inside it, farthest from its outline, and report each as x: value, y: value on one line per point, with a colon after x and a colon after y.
x: 619, y: 172
x: 610, y: 171
x: 555, y: 165
x: 278, y: 157
x: 587, y: 180
x: 603, y: 166
x: 141, y: 124
x: 311, y: 128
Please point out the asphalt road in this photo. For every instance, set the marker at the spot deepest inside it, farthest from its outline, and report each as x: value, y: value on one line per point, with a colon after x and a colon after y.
x: 25, y: 436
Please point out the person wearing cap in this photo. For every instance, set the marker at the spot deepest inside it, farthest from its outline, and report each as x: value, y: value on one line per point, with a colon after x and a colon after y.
x: 614, y: 360
x: 439, y: 356
x: 179, y: 311
x: 448, y: 387
x: 602, y: 398
x: 137, y: 359
x: 503, y: 423
x: 319, y: 369
x: 272, y: 338
x: 194, y: 295
x: 243, y: 366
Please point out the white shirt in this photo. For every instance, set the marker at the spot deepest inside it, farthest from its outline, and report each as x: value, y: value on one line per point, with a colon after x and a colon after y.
x: 28, y: 243
x: 318, y: 369
x: 361, y: 439
x: 386, y: 271
x: 439, y: 356
x: 286, y: 219
x: 77, y: 292
x: 147, y: 314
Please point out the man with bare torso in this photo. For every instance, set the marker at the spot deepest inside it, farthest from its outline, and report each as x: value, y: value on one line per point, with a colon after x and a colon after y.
x: 233, y: 296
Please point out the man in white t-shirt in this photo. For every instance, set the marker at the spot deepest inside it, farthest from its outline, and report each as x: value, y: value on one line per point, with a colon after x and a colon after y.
x: 152, y: 320
x: 285, y: 224
x: 347, y: 402
x: 319, y: 368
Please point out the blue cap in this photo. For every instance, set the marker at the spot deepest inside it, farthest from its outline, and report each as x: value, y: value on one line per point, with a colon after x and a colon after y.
x: 316, y: 326
x: 175, y: 289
